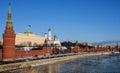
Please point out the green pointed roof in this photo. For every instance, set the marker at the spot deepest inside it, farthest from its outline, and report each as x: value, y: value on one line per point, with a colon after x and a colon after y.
x: 28, y: 32
x: 9, y: 18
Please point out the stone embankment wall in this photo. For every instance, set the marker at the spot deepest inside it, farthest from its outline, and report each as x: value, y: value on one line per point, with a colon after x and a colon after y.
x: 45, y: 61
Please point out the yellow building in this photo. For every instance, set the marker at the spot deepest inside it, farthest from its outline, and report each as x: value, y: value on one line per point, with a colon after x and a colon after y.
x: 27, y: 39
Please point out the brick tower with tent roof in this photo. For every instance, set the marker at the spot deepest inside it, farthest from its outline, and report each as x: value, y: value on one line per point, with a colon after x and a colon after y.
x: 9, y: 39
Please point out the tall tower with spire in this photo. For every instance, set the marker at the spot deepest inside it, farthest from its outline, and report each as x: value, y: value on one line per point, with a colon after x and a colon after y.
x: 49, y: 34
x: 9, y: 38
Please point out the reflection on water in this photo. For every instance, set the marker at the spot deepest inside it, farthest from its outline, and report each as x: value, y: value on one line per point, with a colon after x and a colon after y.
x: 53, y: 68
x: 94, y: 64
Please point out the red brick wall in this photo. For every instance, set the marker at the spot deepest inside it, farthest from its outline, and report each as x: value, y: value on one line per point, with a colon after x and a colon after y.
x: 23, y: 53
x: 47, y: 51
x: 76, y: 49
x: 0, y: 54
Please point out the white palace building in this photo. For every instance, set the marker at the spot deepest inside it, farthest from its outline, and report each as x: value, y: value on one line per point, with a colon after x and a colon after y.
x: 28, y: 38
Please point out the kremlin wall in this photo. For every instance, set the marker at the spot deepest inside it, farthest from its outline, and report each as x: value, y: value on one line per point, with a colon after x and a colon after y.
x: 11, y: 40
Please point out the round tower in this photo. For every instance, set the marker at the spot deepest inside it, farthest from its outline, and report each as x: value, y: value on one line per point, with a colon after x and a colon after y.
x: 9, y: 39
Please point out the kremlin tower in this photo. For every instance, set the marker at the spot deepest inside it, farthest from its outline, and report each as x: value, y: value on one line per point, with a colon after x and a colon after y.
x: 9, y: 39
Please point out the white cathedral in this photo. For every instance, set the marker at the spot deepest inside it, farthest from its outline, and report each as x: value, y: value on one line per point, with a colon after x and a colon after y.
x: 54, y: 40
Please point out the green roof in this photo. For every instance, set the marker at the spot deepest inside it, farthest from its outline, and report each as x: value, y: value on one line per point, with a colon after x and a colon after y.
x: 9, y: 18
x: 28, y: 32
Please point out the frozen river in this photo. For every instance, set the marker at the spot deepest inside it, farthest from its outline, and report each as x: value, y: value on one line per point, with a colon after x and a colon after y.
x: 93, y: 64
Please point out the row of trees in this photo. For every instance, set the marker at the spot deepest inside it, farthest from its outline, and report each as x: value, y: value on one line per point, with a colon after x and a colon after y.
x: 69, y: 44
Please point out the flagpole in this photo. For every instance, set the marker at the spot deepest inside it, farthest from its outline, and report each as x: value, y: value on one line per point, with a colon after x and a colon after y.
x: 29, y: 26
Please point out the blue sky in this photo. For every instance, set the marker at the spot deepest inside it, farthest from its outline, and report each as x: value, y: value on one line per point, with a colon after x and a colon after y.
x: 82, y: 20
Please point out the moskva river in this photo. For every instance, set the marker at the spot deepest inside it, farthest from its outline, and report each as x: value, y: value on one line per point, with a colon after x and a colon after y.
x: 93, y: 64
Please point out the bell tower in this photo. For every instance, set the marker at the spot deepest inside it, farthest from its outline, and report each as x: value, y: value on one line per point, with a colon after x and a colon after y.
x: 49, y: 34
x: 9, y: 39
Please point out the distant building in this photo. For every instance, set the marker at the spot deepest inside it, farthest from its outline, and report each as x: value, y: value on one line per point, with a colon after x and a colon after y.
x: 52, y: 41
x: 87, y: 43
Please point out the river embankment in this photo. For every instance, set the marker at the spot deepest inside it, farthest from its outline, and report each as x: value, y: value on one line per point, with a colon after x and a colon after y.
x: 35, y: 63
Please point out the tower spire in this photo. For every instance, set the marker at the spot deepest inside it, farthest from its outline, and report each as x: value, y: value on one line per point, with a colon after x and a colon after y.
x: 9, y: 8
x: 9, y: 18
x: 9, y: 39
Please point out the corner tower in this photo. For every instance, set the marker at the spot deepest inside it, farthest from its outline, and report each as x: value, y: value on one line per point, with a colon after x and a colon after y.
x: 9, y: 38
